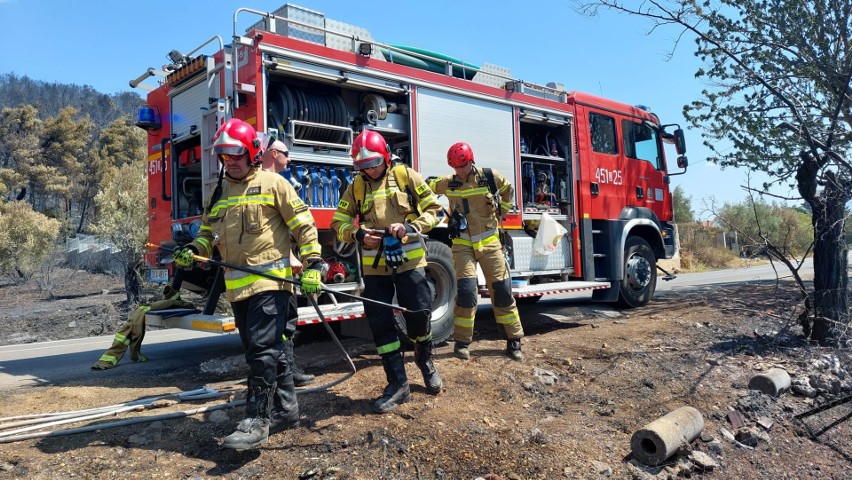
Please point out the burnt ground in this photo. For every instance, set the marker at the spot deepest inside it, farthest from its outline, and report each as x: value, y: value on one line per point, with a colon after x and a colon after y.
x: 593, y: 375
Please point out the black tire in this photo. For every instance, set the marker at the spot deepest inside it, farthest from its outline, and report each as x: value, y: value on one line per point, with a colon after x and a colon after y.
x: 442, y: 278
x: 640, y: 274
x: 528, y: 300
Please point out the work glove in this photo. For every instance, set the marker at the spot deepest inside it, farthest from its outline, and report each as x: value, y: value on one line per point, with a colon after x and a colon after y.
x: 311, y: 281
x: 394, y: 254
x: 184, y: 257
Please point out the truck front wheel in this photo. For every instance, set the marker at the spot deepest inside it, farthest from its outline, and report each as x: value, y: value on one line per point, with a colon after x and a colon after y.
x: 442, y: 278
x: 640, y: 274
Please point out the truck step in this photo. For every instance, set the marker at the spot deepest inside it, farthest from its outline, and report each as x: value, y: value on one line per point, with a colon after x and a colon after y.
x: 225, y: 324
x: 556, y: 287
x: 333, y: 313
x: 540, y: 289
x: 193, y: 321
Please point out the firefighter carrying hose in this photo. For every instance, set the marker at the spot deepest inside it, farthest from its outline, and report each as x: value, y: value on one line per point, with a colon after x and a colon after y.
x: 249, y: 222
x: 479, y: 200
x: 389, y: 197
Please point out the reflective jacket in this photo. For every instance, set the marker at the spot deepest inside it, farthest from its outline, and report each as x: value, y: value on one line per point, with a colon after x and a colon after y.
x: 386, y: 203
x: 473, y: 198
x: 250, y: 225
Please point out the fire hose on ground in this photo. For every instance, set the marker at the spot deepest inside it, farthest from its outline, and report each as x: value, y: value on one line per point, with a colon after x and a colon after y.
x: 24, y: 427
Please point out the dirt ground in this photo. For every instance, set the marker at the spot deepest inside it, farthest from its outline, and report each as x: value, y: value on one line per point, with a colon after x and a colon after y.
x: 593, y: 376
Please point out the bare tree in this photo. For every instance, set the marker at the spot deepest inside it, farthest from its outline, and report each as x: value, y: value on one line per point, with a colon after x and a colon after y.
x: 777, y: 100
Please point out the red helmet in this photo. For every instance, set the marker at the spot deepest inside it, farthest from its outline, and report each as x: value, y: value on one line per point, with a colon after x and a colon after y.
x: 459, y: 155
x: 369, y: 149
x: 237, y: 137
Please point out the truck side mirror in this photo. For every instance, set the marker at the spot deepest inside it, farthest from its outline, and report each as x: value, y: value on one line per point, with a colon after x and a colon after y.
x: 682, y: 162
x: 680, y: 143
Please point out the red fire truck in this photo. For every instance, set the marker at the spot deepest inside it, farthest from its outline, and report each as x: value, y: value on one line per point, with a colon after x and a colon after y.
x: 595, y: 167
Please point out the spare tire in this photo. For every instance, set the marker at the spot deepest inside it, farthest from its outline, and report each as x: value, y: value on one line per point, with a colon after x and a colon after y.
x: 442, y: 279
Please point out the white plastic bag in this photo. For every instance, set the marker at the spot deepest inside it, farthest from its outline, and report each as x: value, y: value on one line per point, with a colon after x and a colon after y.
x: 549, y: 234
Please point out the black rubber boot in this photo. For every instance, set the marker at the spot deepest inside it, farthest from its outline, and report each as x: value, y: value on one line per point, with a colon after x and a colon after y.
x: 285, y: 406
x: 513, y: 349
x: 423, y: 359
x: 300, y: 378
x: 253, y: 431
x: 397, y: 391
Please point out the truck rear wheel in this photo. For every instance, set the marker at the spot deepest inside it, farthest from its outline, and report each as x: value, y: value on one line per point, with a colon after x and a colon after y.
x: 640, y: 274
x: 442, y: 277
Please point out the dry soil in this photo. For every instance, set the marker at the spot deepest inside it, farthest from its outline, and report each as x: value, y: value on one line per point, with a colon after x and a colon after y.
x: 593, y: 375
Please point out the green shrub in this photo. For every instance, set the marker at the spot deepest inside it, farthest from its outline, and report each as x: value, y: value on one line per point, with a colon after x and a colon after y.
x: 27, y: 239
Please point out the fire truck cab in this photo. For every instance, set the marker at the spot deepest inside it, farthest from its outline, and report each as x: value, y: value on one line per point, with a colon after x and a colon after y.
x: 593, y: 166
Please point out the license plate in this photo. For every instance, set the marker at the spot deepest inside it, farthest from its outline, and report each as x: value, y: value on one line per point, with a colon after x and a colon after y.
x: 158, y: 275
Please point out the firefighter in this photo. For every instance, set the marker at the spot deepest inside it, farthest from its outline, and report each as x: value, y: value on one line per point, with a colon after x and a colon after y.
x: 249, y: 221
x: 391, y: 203
x: 275, y: 159
x: 479, y: 200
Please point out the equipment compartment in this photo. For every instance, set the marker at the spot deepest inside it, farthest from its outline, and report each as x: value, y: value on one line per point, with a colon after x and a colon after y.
x: 546, y: 166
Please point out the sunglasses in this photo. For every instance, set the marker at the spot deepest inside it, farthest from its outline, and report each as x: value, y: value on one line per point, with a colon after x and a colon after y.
x: 269, y: 145
x: 227, y: 157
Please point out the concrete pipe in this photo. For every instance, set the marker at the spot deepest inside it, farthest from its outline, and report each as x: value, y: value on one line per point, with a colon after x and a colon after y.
x: 660, y: 439
x: 773, y: 382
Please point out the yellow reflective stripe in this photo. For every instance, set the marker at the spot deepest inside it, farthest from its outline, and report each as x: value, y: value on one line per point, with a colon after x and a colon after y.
x: 260, y: 199
x: 251, y: 278
x: 342, y: 217
x: 431, y: 219
x: 508, y: 319
x: 423, y: 338
x: 108, y: 358
x: 460, y: 241
x: 505, y: 187
x: 468, y: 193
x: 375, y: 195
x: 412, y: 254
x: 341, y: 232
x: 205, y: 228
x: 284, y: 337
x: 430, y: 200
x: 383, y: 193
x: 302, y: 218
x: 389, y: 348
x: 310, y: 248
x: 121, y: 339
x: 235, y: 279
x: 204, y: 243
x: 506, y: 205
x: 465, y: 322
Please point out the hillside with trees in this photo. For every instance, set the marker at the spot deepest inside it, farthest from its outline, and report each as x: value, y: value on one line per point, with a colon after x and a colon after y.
x: 71, y: 161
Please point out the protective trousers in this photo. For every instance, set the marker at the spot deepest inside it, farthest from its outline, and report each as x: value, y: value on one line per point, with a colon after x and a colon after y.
x: 261, y: 320
x: 300, y: 378
x: 413, y: 292
x: 130, y: 336
x: 490, y: 257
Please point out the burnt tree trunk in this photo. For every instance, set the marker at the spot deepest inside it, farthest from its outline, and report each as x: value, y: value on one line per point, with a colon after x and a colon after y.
x: 133, y: 282
x: 830, y: 305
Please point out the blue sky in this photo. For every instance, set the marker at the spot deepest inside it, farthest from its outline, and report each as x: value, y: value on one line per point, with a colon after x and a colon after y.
x: 107, y: 43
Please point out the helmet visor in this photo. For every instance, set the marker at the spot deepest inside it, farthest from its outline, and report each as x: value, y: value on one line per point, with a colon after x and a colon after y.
x: 359, y: 164
x: 229, y: 149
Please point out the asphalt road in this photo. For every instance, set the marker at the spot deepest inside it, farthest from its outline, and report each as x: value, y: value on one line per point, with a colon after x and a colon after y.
x: 69, y: 361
